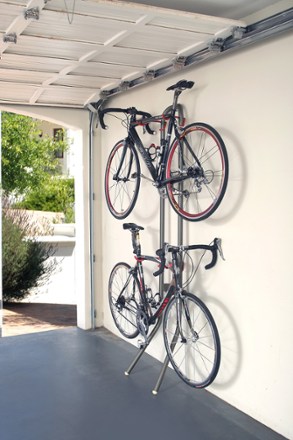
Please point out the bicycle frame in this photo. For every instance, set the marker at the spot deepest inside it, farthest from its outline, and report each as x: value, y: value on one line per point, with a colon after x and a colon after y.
x: 134, y: 139
x: 174, y: 286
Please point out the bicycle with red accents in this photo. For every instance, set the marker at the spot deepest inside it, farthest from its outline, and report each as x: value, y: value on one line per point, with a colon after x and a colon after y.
x: 190, y: 165
x: 190, y: 334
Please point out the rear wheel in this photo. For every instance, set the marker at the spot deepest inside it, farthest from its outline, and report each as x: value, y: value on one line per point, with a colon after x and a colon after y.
x: 198, y: 165
x: 122, y: 180
x: 192, y: 341
x: 124, y: 299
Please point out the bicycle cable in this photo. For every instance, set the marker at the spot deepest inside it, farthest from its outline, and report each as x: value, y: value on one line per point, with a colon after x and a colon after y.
x: 124, y: 121
x: 194, y: 268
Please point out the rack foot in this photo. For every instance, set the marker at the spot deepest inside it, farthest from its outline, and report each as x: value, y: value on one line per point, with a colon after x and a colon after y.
x: 161, y: 377
x: 142, y: 349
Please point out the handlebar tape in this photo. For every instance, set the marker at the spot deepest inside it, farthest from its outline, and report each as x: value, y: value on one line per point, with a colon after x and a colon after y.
x: 212, y: 248
x: 129, y: 111
x: 214, y: 259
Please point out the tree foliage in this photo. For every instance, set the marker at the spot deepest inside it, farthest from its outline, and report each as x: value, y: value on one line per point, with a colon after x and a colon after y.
x: 56, y: 195
x: 28, y: 158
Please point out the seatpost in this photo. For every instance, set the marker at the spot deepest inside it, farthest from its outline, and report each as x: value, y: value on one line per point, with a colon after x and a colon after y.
x: 177, y: 93
x: 136, y: 243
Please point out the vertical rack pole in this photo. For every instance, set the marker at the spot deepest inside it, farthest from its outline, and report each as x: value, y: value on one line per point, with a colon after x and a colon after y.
x: 162, y: 239
x: 162, y: 210
x: 1, y: 302
x: 180, y: 219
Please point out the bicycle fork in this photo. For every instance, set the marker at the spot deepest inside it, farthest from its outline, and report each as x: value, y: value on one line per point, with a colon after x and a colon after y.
x: 127, y: 171
x: 181, y: 303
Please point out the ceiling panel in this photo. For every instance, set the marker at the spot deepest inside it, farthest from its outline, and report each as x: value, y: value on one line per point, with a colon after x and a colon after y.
x: 131, y: 56
x: 79, y: 81
x: 63, y: 96
x: 117, y: 10
x: 24, y: 76
x: 16, y: 92
x: 36, y: 63
x: 105, y: 70
x: 169, y: 41
x: 67, y: 53
x: 202, y: 25
x: 84, y: 28
x: 40, y: 46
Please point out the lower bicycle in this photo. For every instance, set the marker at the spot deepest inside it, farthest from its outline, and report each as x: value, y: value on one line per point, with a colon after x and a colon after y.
x: 191, y: 337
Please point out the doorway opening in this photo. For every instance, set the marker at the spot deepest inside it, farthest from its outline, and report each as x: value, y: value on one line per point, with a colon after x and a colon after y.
x: 53, y: 304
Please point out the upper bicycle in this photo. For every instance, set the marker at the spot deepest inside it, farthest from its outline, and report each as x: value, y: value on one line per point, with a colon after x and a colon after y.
x: 189, y: 166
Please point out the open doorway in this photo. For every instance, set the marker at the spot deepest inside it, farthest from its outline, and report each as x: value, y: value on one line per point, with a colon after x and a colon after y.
x: 52, y: 304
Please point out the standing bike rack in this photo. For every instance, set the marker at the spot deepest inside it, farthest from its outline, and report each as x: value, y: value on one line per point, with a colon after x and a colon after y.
x: 142, y: 349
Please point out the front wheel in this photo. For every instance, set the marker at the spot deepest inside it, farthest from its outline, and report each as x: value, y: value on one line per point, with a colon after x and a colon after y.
x: 197, y: 172
x: 124, y: 299
x: 122, y: 179
x: 192, y: 340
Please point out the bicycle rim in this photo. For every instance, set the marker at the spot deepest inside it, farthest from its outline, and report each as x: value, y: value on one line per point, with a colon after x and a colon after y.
x: 192, y: 347
x: 200, y: 158
x: 124, y: 297
x: 122, y: 180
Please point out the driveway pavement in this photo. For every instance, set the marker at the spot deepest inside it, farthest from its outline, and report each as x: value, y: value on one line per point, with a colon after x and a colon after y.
x: 22, y: 318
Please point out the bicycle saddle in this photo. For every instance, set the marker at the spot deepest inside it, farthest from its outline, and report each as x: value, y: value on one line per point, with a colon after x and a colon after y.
x: 182, y: 85
x: 132, y: 227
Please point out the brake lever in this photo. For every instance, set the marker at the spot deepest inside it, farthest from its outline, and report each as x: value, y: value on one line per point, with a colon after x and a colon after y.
x: 220, y: 249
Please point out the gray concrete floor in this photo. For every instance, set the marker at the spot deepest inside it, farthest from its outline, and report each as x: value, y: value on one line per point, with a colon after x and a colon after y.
x: 70, y: 385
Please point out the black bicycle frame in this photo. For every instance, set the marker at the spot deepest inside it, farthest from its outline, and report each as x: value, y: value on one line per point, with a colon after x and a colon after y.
x: 137, y: 273
x: 134, y: 140
x: 116, y: 176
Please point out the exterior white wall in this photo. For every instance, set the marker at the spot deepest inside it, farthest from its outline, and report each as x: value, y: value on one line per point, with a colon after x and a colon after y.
x: 247, y: 97
x: 77, y: 120
x: 60, y: 287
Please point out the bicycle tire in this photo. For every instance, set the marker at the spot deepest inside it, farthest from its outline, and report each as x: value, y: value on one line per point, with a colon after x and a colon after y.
x: 195, y: 353
x: 198, y: 196
x: 122, y: 191
x: 124, y: 310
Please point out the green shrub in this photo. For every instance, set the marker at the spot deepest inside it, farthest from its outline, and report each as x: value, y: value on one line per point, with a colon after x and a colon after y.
x: 55, y: 195
x: 28, y: 157
x: 24, y: 259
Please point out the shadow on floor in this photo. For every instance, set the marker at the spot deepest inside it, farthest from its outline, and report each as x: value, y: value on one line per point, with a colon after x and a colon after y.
x: 23, y: 318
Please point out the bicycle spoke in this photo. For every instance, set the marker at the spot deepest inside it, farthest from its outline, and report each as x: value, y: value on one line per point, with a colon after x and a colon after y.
x: 124, y: 297
x: 120, y: 186
x: 196, y: 354
x: 200, y: 159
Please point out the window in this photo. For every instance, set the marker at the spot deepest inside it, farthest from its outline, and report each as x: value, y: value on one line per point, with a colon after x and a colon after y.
x: 58, y: 135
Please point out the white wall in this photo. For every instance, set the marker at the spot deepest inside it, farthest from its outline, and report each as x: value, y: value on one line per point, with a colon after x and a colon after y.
x: 77, y: 120
x: 60, y: 287
x: 247, y: 97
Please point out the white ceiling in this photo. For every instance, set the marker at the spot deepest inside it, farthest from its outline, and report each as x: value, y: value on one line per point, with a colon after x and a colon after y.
x: 74, y: 49
x: 235, y: 9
